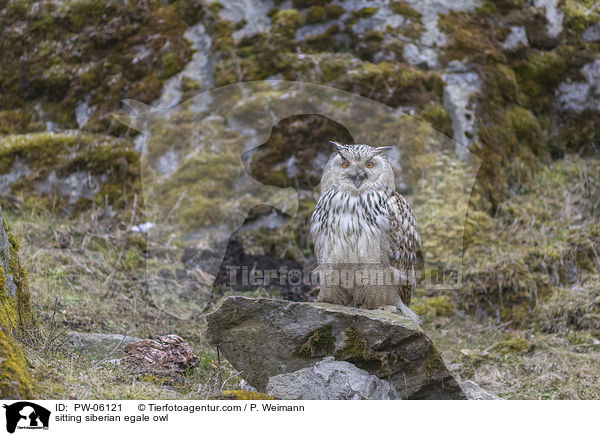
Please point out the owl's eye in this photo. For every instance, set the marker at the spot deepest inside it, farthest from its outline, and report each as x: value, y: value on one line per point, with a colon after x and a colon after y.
x: 345, y: 164
x: 369, y: 164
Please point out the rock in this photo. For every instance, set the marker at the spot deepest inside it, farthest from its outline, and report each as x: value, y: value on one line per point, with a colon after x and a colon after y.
x: 264, y: 338
x: 166, y: 353
x: 425, y: 51
x: 579, y: 96
x: 592, y: 33
x: 67, y: 175
x: 457, y: 95
x: 474, y: 392
x: 99, y: 346
x: 198, y: 70
x: 80, y: 184
x: 253, y: 12
x: 16, y: 317
x: 516, y: 38
x: 554, y: 16
x: 331, y: 380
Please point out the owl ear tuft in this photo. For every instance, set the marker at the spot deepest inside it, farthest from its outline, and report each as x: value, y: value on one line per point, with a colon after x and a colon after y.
x: 383, y: 150
x: 335, y: 145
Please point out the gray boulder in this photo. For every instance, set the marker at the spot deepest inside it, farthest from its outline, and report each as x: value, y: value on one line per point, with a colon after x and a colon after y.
x: 474, y: 392
x: 98, y: 346
x: 330, y: 380
x: 592, y: 33
x: 263, y: 338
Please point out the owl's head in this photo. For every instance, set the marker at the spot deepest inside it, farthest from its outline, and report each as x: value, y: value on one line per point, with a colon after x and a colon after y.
x: 357, y: 168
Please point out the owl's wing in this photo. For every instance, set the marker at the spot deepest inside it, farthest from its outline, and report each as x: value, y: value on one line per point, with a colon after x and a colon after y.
x: 404, y: 241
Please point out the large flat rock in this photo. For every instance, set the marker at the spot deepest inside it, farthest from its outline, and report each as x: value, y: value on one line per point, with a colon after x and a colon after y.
x: 264, y: 337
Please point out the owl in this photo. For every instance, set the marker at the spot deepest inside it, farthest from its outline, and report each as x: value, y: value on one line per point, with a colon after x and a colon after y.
x: 364, y: 233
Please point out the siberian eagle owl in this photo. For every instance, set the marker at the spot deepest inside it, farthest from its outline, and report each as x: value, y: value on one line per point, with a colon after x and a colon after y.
x: 365, y: 234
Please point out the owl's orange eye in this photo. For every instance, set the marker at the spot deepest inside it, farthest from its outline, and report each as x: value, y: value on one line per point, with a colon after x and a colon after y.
x: 369, y: 164
x: 345, y: 164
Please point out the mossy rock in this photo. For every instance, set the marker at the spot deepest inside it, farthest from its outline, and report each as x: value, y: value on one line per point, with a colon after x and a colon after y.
x: 403, y: 8
x: 316, y: 14
x: 264, y: 337
x: 365, y: 12
x: 16, y: 319
x: 108, y: 51
x: 241, y: 395
x: 68, y: 173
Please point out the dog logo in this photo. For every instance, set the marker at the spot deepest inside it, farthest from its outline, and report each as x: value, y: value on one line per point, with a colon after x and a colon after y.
x: 26, y: 415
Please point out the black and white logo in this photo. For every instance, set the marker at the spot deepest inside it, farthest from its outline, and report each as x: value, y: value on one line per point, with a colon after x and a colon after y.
x: 26, y: 415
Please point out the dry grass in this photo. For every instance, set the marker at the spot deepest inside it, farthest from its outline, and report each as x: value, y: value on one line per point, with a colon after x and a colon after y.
x: 86, y: 275
x: 551, y: 366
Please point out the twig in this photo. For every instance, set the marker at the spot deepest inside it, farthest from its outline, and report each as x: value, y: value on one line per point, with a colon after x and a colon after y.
x: 114, y: 271
x: 176, y: 205
x: 52, y: 321
x: 218, y: 365
x: 229, y: 378
x: 113, y: 351
x: 132, y: 212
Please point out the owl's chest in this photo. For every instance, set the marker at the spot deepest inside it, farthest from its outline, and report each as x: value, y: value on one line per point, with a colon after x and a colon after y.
x: 349, y: 214
x: 353, y: 228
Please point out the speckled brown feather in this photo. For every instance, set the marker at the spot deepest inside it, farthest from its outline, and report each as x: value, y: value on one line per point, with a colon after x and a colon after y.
x: 404, y: 243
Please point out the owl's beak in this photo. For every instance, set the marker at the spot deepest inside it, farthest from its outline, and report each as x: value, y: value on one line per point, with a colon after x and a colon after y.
x: 358, y: 178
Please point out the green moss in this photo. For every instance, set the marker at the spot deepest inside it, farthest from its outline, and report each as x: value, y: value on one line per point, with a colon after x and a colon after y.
x: 299, y: 4
x: 287, y: 21
x: 334, y: 11
x: 18, y: 121
x: 104, y: 67
x: 403, y: 8
x: 526, y: 128
x: 16, y: 316
x: 434, y: 362
x: 578, y: 131
x: 85, y: 11
x: 319, y: 343
x: 432, y: 307
x: 324, y: 41
x: 393, y: 84
x: 242, y: 395
x: 222, y: 33
x: 171, y: 64
x: 356, y: 351
x: 316, y: 14
x: 333, y: 67
x: 577, y: 18
x: 540, y: 75
x: 215, y: 7
x: 365, y: 12
x: 65, y: 153
x: 513, y: 344
x: 437, y: 115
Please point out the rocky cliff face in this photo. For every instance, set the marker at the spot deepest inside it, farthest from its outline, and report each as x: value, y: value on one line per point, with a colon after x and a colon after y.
x: 16, y: 316
x: 515, y: 79
x: 512, y: 79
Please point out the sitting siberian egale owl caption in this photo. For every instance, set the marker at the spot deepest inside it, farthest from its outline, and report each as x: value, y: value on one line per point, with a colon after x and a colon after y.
x: 365, y: 234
